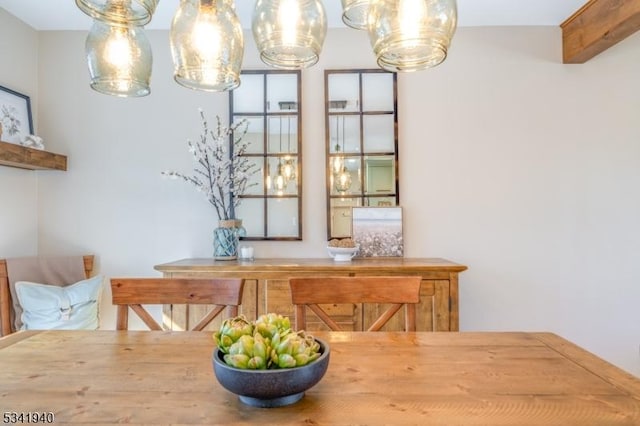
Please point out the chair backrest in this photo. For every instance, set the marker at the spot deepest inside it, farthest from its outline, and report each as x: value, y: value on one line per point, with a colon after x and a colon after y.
x: 134, y: 292
x: 55, y: 266
x: 398, y: 291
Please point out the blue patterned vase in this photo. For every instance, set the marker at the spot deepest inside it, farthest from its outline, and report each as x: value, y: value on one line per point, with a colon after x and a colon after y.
x: 225, y: 239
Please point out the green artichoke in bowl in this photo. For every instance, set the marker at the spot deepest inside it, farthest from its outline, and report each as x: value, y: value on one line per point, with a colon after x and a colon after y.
x: 265, y: 362
x: 266, y: 343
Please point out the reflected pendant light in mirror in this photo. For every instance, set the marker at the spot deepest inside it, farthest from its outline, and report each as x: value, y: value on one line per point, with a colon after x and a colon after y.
x: 207, y: 45
x: 343, y: 178
x: 279, y: 181
x: 289, y: 168
x: 268, y: 180
x: 355, y: 13
x: 338, y: 161
x: 289, y: 33
x: 123, y: 12
x: 337, y: 164
x: 119, y: 59
x: 411, y: 35
x: 343, y: 181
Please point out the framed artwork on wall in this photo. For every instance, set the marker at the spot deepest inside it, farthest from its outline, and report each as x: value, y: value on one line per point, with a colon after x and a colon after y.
x: 15, y: 116
x: 378, y: 231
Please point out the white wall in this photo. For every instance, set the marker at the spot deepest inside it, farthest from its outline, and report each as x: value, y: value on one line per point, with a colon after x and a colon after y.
x: 529, y: 173
x: 522, y: 168
x: 18, y: 188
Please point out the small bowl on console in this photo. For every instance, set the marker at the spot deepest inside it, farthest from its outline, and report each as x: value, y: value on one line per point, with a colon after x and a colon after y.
x: 342, y: 254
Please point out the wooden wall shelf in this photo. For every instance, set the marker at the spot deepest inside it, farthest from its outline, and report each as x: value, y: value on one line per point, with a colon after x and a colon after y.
x: 19, y: 156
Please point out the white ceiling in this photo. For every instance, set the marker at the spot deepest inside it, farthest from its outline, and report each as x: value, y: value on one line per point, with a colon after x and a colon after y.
x: 64, y: 15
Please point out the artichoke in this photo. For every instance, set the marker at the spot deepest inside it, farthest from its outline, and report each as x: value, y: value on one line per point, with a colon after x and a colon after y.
x: 231, y: 330
x: 295, y: 350
x: 270, y: 324
x: 269, y: 342
x: 248, y: 352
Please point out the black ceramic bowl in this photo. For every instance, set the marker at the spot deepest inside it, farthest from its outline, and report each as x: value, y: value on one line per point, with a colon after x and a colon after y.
x: 271, y: 388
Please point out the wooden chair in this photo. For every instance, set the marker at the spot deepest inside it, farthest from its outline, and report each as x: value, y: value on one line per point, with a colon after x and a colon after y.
x: 399, y: 291
x: 134, y: 292
x: 7, y: 313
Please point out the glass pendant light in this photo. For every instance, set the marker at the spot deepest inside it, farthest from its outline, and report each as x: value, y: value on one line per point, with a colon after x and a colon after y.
x: 411, y: 35
x: 119, y: 59
x: 207, y: 45
x: 123, y: 12
x: 289, y: 33
x: 355, y: 13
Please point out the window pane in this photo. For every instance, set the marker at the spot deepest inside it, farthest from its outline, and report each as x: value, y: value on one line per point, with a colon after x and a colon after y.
x: 344, y: 92
x: 282, y: 217
x: 255, y: 133
x: 282, y: 92
x: 256, y: 182
x: 283, y: 134
x: 278, y: 183
x: 251, y: 211
x: 344, y: 133
x: 249, y: 96
x: 340, y: 220
x: 379, y: 175
x: 377, y: 92
x: 346, y: 180
x: 379, y: 135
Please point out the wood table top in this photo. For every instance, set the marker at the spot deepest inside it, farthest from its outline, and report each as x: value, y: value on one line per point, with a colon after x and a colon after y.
x: 310, y: 264
x: 147, y: 377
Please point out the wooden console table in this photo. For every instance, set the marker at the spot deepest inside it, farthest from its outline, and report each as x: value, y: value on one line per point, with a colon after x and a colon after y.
x: 267, y: 288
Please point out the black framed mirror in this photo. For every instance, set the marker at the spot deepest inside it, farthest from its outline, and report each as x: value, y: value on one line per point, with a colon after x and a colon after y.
x: 361, y: 128
x: 270, y: 101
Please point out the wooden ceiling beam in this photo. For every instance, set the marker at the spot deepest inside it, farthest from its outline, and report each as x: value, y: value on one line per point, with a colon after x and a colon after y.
x: 596, y: 26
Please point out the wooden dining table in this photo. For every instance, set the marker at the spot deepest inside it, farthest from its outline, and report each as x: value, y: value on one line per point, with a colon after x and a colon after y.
x: 394, y: 378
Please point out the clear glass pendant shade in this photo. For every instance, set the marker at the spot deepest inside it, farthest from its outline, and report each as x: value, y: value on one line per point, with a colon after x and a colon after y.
x: 411, y: 35
x: 280, y: 181
x: 207, y: 45
x: 123, y: 12
x: 289, y: 33
x: 343, y: 181
x: 288, y: 169
x: 119, y: 60
x: 337, y: 164
x: 355, y: 13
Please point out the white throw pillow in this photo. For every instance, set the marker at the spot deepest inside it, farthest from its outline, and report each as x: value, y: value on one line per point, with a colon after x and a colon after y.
x: 48, y: 307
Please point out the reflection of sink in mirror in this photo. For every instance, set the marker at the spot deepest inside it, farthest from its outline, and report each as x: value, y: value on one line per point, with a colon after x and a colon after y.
x: 380, y: 176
